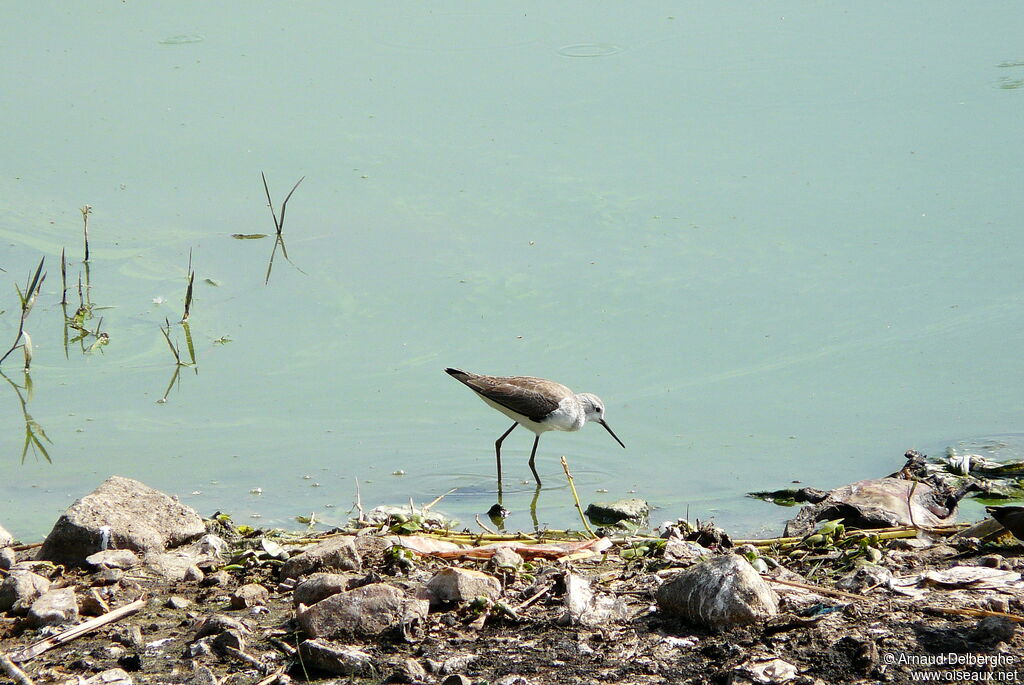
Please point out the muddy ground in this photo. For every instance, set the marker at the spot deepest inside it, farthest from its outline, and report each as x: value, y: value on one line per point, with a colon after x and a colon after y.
x: 883, y: 637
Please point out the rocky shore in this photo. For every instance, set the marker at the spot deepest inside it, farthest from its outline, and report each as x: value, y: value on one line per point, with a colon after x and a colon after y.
x: 131, y: 586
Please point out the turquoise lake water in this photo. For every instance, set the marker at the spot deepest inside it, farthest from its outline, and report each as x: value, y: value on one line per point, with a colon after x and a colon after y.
x: 782, y: 242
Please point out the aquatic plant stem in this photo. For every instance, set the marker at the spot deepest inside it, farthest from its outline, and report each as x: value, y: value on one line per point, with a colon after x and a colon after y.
x: 576, y: 498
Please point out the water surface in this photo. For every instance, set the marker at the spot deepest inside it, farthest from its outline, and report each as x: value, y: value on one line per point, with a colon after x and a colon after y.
x: 782, y: 243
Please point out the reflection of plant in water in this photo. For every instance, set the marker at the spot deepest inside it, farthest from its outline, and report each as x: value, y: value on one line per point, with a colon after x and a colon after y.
x: 178, y: 362
x: 33, y: 431
x: 27, y: 298
x: 278, y: 226
x: 83, y: 314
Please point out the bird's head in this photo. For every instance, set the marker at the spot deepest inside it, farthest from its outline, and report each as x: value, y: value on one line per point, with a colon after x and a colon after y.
x: 593, y: 407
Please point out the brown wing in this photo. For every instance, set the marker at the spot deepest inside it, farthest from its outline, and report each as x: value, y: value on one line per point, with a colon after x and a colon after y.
x: 532, y: 397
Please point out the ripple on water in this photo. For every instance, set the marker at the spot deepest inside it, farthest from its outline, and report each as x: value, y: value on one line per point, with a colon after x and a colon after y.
x: 183, y: 39
x: 589, y: 50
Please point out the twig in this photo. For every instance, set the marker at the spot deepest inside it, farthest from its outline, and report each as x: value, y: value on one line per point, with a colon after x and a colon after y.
x: 576, y: 498
x: 438, y: 499
x: 242, y: 656
x: 534, y: 597
x: 974, y: 613
x: 86, y: 211
x: 481, y: 524
x: 13, y: 672
x: 816, y: 588
x: 272, y: 677
x: 910, y: 504
x: 37, y: 648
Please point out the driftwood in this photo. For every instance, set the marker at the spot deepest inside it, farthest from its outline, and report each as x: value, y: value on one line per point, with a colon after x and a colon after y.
x: 37, y: 648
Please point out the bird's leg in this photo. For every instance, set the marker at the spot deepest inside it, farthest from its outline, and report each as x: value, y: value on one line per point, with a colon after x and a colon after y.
x: 533, y: 508
x: 497, y: 450
x: 533, y: 455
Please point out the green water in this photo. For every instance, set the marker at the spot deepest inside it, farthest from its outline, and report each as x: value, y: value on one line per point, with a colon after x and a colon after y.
x: 782, y: 242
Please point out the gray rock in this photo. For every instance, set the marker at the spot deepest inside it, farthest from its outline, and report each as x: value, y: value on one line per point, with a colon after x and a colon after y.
x: 249, y: 595
x: 93, y: 604
x: 229, y: 638
x: 512, y: 680
x: 19, y: 589
x: 457, y: 679
x: 409, y: 670
x: 175, y: 567
x: 719, y: 593
x: 218, y: 579
x: 6, y: 539
x: 54, y: 608
x: 202, y: 675
x: 179, y: 603
x: 583, y: 606
x: 506, y: 559
x: 112, y: 676
x: 865, y: 577
x: 603, y: 513
x: 337, y: 659
x: 334, y: 553
x: 685, y: 552
x: 7, y: 558
x: 136, y: 517
x: 319, y: 586
x: 454, y: 584
x: 992, y: 630
x: 113, y: 558
x: 454, y: 664
x: 217, y: 623
x: 371, y: 610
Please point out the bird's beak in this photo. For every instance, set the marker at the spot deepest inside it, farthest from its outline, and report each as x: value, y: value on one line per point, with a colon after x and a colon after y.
x: 609, y: 429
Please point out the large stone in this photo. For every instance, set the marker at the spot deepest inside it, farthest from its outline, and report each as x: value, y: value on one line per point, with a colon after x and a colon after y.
x: 453, y: 584
x: 719, y: 593
x: 337, y: 659
x: 605, y: 513
x: 371, y: 610
x: 19, y: 589
x: 54, y: 608
x: 319, y: 586
x: 124, y: 514
x: 336, y: 553
x: 249, y: 595
x: 6, y: 539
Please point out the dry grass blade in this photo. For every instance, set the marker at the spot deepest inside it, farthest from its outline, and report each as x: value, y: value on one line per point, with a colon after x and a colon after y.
x: 188, y: 291
x: 63, y: 278
x: 270, y: 203
x: 167, y: 336
x: 284, y: 205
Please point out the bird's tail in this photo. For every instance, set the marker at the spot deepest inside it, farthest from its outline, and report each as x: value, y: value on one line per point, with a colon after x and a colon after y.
x: 458, y: 374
